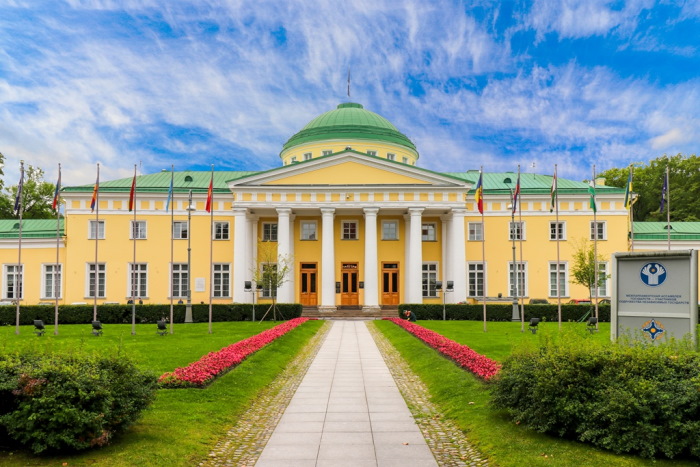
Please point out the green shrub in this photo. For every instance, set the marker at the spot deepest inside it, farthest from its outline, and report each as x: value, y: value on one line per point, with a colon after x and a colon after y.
x: 632, y: 398
x: 57, y: 402
x: 501, y: 311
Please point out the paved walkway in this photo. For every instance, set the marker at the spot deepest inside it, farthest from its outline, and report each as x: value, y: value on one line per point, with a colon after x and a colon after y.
x: 347, y: 411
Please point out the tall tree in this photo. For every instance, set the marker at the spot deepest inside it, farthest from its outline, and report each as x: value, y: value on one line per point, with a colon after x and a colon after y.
x: 583, y: 268
x: 37, y: 196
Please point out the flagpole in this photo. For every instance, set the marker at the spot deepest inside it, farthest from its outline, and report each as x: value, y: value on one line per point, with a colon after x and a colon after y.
x: 18, y: 276
x: 211, y: 243
x: 134, y: 277
x: 483, y: 248
x: 97, y: 242
x: 668, y: 208
x: 630, y: 205
x: 171, y: 205
x: 521, y: 298
x: 56, y: 277
x: 555, y: 199
x: 595, y: 247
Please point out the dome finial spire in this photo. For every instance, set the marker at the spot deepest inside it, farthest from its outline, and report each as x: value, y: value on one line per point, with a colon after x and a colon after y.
x: 348, y: 82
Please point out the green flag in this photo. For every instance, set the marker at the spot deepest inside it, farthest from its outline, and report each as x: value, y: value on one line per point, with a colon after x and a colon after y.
x: 591, y: 191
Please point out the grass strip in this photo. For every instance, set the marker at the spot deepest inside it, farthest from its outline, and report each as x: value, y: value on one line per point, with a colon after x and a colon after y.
x: 465, y: 400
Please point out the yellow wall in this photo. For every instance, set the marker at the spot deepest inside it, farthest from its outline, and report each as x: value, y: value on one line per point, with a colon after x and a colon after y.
x: 348, y: 171
x: 316, y: 149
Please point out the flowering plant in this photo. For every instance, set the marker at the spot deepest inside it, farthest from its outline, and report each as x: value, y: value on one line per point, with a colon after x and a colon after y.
x: 480, y: 365
x: 203, y: 371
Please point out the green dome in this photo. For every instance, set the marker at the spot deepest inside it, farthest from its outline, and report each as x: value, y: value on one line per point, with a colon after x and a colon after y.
x: 349, y: 121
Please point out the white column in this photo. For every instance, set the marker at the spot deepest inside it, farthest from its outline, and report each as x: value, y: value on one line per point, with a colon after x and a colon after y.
x: 293, y: 269
x: 250, y: 252
x: 415, y: 274
x: 327, y: 261
x: 407, y: 258
x: 446, y: 242
x: 459, y: 257
x: 283, y: 253
x: 371, y: 268
x: 240, y: 244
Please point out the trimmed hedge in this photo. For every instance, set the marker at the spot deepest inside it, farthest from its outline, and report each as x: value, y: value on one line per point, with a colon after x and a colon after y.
x: 638, y: 398
x: 58, y: 402
x: 121, y: 314
x: 501, y: 312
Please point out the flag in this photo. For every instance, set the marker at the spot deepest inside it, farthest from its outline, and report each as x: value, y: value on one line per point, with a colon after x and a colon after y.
x: 132, y: 193
x: 18, y: 198
x: 479, y: 194
x: 170, y: 190
x: 591, y: 191
x: 516, y: 193
x: 210, y: 193
x: 628, y: 191
x: 554, y: 191
x: 663, y: 192
x: 93, y: 202
x: 54, y: 204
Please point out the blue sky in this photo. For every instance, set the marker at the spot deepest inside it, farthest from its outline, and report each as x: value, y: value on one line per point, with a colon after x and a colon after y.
x: 492, y: 83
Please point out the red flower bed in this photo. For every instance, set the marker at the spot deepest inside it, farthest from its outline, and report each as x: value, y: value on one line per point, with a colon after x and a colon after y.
x: 465, y: 357
x: 204, y: 370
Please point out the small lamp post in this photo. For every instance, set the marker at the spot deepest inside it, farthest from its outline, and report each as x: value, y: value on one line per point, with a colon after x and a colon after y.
x: 511, y: 229
x: 188, y: 306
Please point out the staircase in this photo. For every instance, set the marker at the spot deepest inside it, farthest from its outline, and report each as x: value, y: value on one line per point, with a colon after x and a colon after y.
x: 350, y: 313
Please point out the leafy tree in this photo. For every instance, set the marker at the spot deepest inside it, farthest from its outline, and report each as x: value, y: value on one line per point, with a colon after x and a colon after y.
x: 37, y: 196
x: 5, y: 204
x: 583, y: 269
x: 272, y: 274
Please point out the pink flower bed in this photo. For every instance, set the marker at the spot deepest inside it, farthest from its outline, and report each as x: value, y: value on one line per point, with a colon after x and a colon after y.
x: 481, y: 366
x: 204, y: 370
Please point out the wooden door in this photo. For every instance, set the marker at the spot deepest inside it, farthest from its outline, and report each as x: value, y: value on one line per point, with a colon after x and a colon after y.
x: 308, y: 295
x: 349, y: 284
x: 390, y: 283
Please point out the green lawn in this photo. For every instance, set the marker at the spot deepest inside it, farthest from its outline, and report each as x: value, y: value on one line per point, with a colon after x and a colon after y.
x: 464, y: 399
x: 183, y: 424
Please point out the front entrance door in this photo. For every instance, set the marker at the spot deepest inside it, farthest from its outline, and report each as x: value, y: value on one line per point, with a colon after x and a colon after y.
x: 390, y: 284
x: 308, y: 295
x: 348, y: 285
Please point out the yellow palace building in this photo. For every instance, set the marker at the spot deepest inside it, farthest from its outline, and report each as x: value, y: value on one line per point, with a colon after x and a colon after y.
x: 360, y: 224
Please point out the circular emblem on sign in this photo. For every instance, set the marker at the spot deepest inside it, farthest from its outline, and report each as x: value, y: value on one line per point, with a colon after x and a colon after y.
x: 653, y: 329
x: 653, y: 274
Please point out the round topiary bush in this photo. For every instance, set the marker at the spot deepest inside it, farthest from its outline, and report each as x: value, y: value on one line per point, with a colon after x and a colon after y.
x: 70, y: 402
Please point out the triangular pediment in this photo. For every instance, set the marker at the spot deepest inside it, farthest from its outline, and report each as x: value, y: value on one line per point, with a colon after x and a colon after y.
x: 348, y: 169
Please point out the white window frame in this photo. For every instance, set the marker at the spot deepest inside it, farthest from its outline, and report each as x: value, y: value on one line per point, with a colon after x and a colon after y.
x: 48, y: 276
x: 12, y: 275
x: 604, y: 290
x: 268, y: 290
x: 563, y: 270
x: 182, y: 279
x: 346, y: 233
x: 516, y: 228
x: 476, y: 231
x: 326, y: 152
x: 393, y: 232
x: 100, y: 226
x: 602, y: 225
x: 522, y: 276
x: 404, y: 159
x: 101, y: 278
x: 221, y: 273
x: 307, y: 233
x: 554, y: 230
x: 391, y: 156
x: 476, y: 269
x: 138, y: 228
x: 180, y: 233
x: 372, y: 152
x: 268, y: 232
x: 141, y: 282
x: 429, y: 275
x: 222, y: 230
x: 426, y: 234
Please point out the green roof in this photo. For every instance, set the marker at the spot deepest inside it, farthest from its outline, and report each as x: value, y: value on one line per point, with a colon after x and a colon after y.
x: 349, y: 121
x: 31, y: 228
x: 197, y: 181
x: 503, y: 182
x: 657, y: 231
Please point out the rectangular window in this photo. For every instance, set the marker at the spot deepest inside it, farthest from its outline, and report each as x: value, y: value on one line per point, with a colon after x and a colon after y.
x: 517, y: 231
x: 429, y: 278
x: 97, y: 230
x: 326, y: 152
x: 390, y: 230
x: 521, y: 290
x: 269, y: 232
x: 221, y: 230
x: 269, y: 280
x: 557, y: 277
x: 52, y: 281
x: 222, y: 280
x: 308, y: 230
x: 557, y: 231
x: 307, y: 156
x: 476, y: 231
x: 138, y: 280
x: 475, y: 277
x: 294, y: 159
x: 371, y: 153
x: 603, y: 279
x: 13, y: 282
x: 180, y: 230
x: 391, y: 157
x: 429, y: 232
x: 179, y: 280
x: 349, y: 230
x: 598, y: 228
x: 96, y: 280
x: 404, y: 159
x: 138, y: 230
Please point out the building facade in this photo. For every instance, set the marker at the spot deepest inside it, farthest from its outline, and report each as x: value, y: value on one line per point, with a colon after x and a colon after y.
x: 359, y: 224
